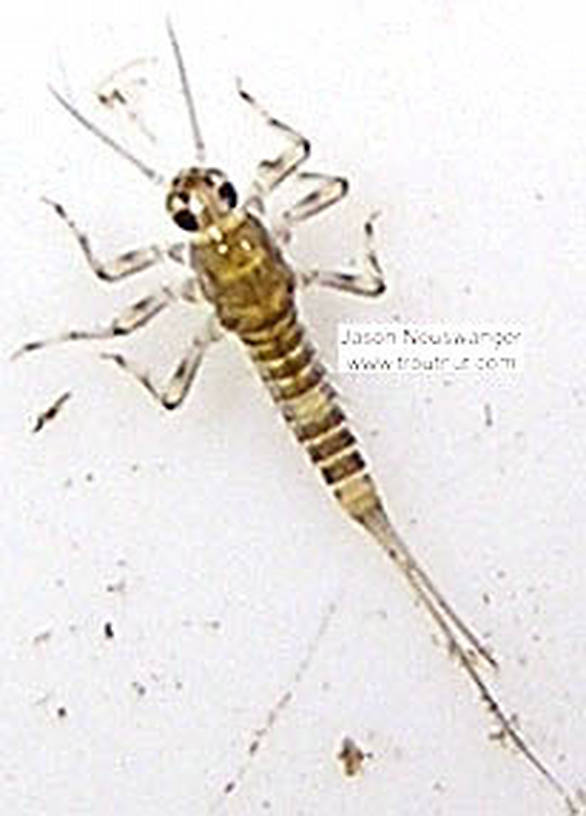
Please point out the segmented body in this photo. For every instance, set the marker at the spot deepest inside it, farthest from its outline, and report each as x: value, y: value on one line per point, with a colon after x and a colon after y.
x: 244, y: 274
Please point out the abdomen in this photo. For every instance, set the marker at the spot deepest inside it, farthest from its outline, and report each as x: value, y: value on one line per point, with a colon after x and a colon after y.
x: 289, y: 366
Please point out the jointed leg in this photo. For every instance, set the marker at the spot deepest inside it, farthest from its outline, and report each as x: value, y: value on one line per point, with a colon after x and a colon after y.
x: 175, y: 390
x: 138, y: 314
x: 129, y: 263
x: 329, y: 190
x: 368, y: 281
x: 271, y: 172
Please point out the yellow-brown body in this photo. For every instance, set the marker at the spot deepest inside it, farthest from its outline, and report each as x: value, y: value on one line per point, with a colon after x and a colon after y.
x: 245, y: 276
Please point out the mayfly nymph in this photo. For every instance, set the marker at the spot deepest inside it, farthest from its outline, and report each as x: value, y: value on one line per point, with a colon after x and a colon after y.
x: 238, y: 265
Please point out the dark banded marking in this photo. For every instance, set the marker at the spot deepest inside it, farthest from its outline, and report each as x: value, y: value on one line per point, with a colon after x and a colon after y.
x: 309, y: 430
x: 358, y: 496
x: 268, y: 350
x: 345, y: 465
x: 275, y: 339
x: 331, y: 443
x: 291, y: 363
x: 297, y: 382
x: 295, y: 387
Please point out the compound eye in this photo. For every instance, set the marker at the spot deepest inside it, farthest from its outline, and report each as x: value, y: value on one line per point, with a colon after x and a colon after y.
x: 186, y: 220
x: 228, y: 194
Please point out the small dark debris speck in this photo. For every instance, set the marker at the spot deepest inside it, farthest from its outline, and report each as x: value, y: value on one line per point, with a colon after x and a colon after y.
x: 62, y: 712
x: 108, y: 630
x: 253, y: 747
x: 214, y: 624
x: 51, y: 412
x: 352, y: 757
x: 117, y: 586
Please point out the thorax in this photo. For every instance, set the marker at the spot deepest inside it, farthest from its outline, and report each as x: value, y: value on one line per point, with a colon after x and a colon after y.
x: 243, y: 274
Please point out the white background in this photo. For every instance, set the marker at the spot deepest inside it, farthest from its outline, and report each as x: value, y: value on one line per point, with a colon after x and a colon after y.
x: 464, y: 123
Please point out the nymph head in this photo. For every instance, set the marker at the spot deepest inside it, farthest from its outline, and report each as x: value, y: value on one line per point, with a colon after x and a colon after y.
x: 199, y: 196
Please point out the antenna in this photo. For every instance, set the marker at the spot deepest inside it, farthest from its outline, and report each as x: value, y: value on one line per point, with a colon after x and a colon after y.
x: 200, y: 149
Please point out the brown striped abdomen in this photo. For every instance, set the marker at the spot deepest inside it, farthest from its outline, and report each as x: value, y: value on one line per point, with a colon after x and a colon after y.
x: 289, y: 367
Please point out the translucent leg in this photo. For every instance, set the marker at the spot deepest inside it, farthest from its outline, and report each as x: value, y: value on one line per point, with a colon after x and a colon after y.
x: 129, y: 263
x: 329, y: 190
x: 133, y: 317
x: 367, y: 280
x: 271, y: 172
x: 177, y: 387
